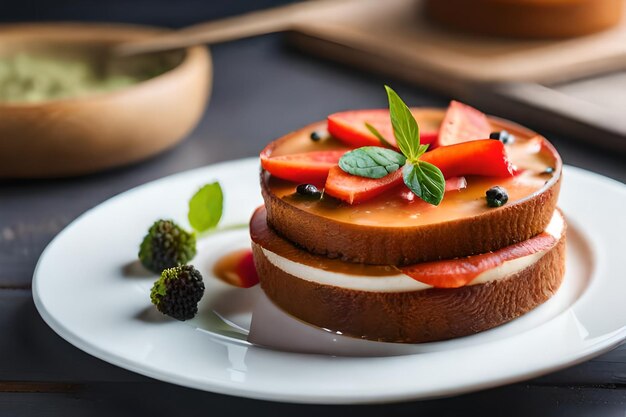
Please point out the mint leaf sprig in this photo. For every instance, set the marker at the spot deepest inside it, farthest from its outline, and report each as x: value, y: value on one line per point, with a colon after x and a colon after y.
x: 380, y: 137
x: 424, y: 179
x: 371, y: 161
x: 205, y: 207
x: 205, y: 211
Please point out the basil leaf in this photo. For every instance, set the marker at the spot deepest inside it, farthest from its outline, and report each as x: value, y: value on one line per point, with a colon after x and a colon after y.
x: 433, y: 181
x: 426, y: 181
x: 205, y: 207
x: 405, y: 128
x: 380, y: 137
x: 371, y: 161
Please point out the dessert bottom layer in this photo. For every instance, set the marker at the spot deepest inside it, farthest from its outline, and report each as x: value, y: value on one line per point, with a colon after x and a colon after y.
x: 409, y: 312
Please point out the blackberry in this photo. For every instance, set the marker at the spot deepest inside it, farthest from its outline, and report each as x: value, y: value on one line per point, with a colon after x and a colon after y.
x: 178, y: 291
x: 166, y: 245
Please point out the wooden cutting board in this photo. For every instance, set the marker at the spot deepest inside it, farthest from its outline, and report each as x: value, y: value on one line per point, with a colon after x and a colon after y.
x: 394, y: 38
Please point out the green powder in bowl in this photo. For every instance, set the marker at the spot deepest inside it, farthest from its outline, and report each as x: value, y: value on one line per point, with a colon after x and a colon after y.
x: 33, y: 78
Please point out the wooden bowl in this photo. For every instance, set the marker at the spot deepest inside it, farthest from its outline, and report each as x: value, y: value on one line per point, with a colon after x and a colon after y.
x: 73, y: 136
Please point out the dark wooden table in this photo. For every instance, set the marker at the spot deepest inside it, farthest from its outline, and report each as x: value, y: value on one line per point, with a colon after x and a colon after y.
x: 262, y: 90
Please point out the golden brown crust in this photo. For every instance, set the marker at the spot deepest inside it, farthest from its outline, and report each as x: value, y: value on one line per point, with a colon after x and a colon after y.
x: 380, y: 245
x: 418, y: 316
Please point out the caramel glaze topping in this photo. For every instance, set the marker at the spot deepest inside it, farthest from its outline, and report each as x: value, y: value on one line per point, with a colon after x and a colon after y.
x: 529, y: 152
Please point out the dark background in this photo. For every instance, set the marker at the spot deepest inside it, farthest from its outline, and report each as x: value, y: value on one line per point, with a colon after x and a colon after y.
x: 168, y: 13
x: 262, y: 89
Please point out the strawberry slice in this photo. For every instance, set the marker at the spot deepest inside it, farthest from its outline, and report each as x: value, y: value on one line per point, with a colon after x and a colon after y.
x: 237, y: 268
x: 349, y: 127
x: 246, y: 271
x: 481, y: 157
x: 309, y: 167
x: 354, y: 189
x: 462, y: 123
x: 455, y: 273
x: 486, y: 157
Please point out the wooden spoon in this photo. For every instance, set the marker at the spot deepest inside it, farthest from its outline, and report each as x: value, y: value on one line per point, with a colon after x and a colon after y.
x: 250, y: 24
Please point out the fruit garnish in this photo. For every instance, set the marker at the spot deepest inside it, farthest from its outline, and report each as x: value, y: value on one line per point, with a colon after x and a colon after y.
x: 354, y: 189
x: 308, y: 167
x: 462, y: 123
x: 166, y: 245
x: 423, y: 173
x: 248, y: 276
x: 237, y: 268
x: 420, y: 176
x: 455, y: 273
x: 177, y: 292
x: 496, y: 196
x: 483, y: 157
x: 351, y: 128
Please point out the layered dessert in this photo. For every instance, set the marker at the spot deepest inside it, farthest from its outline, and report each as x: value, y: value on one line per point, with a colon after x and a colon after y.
x: 409, y: 225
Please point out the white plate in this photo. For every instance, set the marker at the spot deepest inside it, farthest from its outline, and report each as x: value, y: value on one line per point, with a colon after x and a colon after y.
x: 87, y: 289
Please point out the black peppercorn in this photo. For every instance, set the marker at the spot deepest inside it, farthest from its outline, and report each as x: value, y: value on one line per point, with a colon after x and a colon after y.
x: 315, y: 136
x: 496, y: 196
x: 503, y: 136
x: 308, y: 190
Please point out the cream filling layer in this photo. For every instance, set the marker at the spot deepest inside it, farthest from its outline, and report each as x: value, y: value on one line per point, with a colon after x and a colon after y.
x: 402, y: 282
